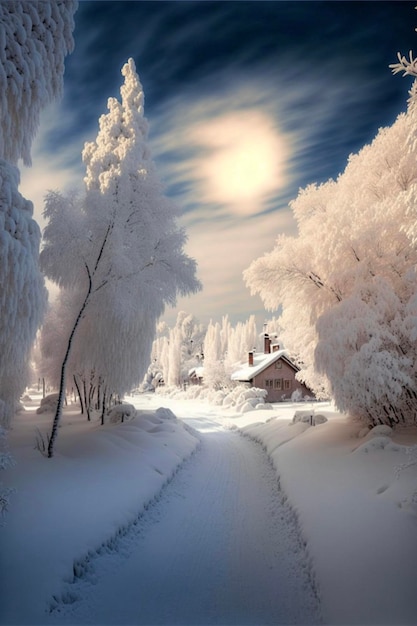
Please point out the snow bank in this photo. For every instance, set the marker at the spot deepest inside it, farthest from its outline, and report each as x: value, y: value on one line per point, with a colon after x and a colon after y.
x: 355, y: 495
x: 100, y: 479
x: 354, y: 491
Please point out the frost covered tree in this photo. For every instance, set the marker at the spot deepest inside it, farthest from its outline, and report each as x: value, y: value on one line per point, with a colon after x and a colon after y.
x: 117, y: 249
x: 35, y: 37
x: 219, y: 348
x: 177, y: 350
x: 241, y: 338
x: 348, y: 283
x: 215, y: 375
x: 22, y: 294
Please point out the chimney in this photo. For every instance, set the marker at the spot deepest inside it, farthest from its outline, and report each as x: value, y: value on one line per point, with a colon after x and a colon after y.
x: 267, y: 344
x: 250, y: 361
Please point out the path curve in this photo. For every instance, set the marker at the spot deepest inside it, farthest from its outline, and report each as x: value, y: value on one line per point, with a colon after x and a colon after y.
x: 220, y: 547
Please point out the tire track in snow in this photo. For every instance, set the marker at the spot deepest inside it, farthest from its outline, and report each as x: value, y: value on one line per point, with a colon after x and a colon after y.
x: 221, y: 546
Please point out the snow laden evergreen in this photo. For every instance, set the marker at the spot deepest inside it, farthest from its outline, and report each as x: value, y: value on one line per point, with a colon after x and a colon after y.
x: 348, y: 282
x: 34, y: 39
x: 22, y: 293
x: 117, y: 252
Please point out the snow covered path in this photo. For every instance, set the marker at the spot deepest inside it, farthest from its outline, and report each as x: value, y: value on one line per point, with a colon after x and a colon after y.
x: 221, y: 546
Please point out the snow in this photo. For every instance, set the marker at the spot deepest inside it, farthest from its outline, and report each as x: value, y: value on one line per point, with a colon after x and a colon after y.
x: 351, y: 491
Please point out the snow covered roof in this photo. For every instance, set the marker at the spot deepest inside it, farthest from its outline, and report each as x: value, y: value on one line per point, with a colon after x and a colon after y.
x: 198, y: 371
x: 260, y: 362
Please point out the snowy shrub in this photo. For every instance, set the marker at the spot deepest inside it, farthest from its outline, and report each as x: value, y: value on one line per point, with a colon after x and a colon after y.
x: 303, y: 416
x: 296, y: 396
x: 319, y: 418
x: 376, y: 443
x: 236, y: 397
x: 165, y: 414
x: 245, y: 407
x: 146, y: 387
x: 382, y: 429
x: 48, y: 404
x: 194, y: 392
x: 263, y: 406
x: 121, y: 413
x: 308, y: 417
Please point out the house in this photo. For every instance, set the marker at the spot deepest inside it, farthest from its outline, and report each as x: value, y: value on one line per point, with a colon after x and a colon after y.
x: 195, y: 375
x: 272, y: 370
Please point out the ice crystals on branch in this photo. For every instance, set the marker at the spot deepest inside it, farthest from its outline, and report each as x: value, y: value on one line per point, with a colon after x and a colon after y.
x: 408, y: 66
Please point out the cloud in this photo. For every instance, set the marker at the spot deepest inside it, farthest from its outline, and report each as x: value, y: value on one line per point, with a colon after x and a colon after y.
x: 223, y: 250
x: 242, y: 162
x: 234, y: 134
x: 241, y: 143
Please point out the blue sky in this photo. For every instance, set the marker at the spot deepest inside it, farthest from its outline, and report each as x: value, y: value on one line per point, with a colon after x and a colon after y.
x: 247, y: 103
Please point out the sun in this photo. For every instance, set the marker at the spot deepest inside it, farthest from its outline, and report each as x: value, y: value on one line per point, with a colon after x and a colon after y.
x: 244, y: 162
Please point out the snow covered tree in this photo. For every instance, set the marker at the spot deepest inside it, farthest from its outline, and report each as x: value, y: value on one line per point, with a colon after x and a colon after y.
x: 22, y: 294
x: 35, y: 37
x: 118, y: 249
x: 347, y: 283
x: 177, y: 350
x: 240, y: 340
x: 215, y: 375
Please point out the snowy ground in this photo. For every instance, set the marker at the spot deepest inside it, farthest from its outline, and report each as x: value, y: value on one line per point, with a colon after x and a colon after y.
x: 91, y: 537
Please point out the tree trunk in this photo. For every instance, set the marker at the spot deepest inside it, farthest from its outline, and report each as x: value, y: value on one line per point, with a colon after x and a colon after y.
x: 85, y: 396
x: 79, y: 394
x: 58, y: 414
x: 91, y: 393
x: 103, y: 410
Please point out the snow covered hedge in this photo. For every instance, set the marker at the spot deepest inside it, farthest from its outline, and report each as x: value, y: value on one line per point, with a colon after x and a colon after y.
x: 240, y: 398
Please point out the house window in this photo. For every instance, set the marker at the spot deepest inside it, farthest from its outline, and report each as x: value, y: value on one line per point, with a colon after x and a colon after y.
x: 268, y: 384
x: 278, y: 365
x: 278, y: 383
x: 287, y: 384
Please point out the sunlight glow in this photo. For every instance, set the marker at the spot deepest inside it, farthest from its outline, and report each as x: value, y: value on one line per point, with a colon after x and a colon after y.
x: 244, y: 160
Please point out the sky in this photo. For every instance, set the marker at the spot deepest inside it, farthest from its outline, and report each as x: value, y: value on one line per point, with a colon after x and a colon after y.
x: 248, y: 102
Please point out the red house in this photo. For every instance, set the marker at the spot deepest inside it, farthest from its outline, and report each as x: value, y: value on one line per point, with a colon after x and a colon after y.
x: 274, y: 371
